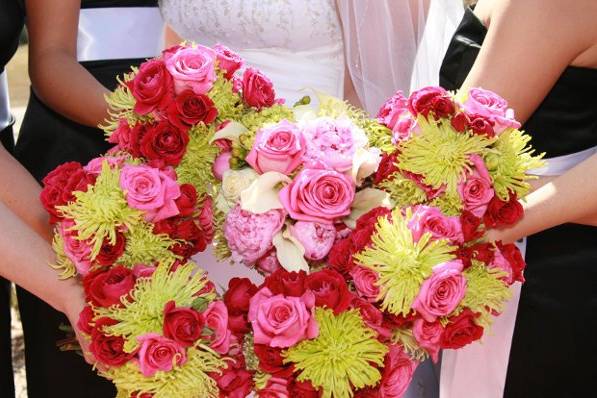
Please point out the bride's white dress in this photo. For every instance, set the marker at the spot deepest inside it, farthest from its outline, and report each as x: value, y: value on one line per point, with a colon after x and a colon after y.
x: 299, y: 45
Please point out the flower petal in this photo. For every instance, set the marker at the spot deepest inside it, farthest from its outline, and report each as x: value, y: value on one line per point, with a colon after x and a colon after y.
x: 365, y: 200
x: 263, y: 193
x: 290, y: 252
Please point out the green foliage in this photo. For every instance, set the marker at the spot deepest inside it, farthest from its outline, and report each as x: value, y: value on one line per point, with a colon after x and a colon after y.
x: 228, y: 103
x: 145, y: 247
x: 403, y: 191
x: 195, y: 167
x: 449, y: 203
x: 406, y: 339
x: 63, y: 264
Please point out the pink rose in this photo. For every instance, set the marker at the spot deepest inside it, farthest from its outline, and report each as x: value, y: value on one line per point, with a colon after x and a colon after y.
x: 428, y: 336
x: 280, y: 321
x: 490, y: 105
x: 432, y: 220
x: 228, y: 60
x: 269, y: 263
x: 332, y: 143
x: 365, y: 282
x: 397, y: 373
x: 317, y: 239
x: 391, y: 111
x: 159, y: 353
x: 258, y: 90
x: 476, y: 191
x: 192, y: 68
x: 318, y: 195
x: 216, y: 318
x: 151, y: 190
x: 221, y: 164
x: 78, y: 251
x: 250, y: 235
x: 94, y: 167
x: 277, y: 148
x: 441, y: 293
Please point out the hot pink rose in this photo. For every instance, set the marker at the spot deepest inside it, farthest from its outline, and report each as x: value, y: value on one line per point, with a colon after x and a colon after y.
x: 365, y: 281
x: 192, y: 68
x: 221, y: 164
x: 258, y: 90
x: 280, y: 321
x: 216, y: 318
x: 397, y: 373
x: 391, y: 111
x: 250, y: 235
x: 332, y: 143
x: 277, y: 148
x: 490, y: 105
x: 428, y: 336
x: 432, y: 220
x: 476, y: 191
x: 228, y: 60
x: 78, y: 251
x: 318, y: 195
x: 316, y: 238
x: 151, y: 190
x: 94, y: 167
x: 159, y: 353
x: 441, y: 293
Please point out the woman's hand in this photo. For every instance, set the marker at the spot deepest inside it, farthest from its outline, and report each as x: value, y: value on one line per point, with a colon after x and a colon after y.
x: 75, y: 302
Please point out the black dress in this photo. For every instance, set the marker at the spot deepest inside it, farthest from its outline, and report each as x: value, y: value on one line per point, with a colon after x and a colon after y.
x: 46, y: 140
x: 11, y: 25
x: 553, y: 348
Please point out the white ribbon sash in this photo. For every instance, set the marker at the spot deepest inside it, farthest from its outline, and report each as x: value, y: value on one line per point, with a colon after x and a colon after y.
x: 5, y: 117
x: 479, y: 370
x: 119, y: 33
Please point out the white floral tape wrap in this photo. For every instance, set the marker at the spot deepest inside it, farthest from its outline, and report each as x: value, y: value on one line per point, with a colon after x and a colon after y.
x: 119, y: 33
x: 5, y: 117
x: 479, y: 369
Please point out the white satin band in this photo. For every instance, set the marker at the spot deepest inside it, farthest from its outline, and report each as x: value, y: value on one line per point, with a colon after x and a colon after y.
x: 119, y: 33
x: 5, y: 116
x: 560, y: 164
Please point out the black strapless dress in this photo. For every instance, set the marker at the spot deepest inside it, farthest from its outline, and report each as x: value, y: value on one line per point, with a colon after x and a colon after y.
x: 46, y: 140
x: 554, y: 338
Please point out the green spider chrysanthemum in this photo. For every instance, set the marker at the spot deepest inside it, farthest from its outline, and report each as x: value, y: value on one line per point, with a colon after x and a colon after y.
x: 143, y: 310
x: 121, y: 104
x: 260, y: 379
x: 401, y: 263
x: 143, y: 246
x: 403, y: 191
x: 195, y: 167
x: 62, y: 264
x: 449, y: 203
x: 379, y: 135
x: 344, y: 355
x: 509, y: 160
x: 228, y: 103
x: 99, y: 212
x: 190, y: 380
x: 221, y: 248
x: 440, y: 154
x: 486, y: 293
x: 406, y: 339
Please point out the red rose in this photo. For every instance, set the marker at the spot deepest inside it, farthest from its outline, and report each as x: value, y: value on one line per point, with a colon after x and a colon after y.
x: 287, y: 283
x: 361, y: 238
x: 512, y: 254
x: 427, y: 99
x: 164, y: 143
x: 372, y: 316
x: 386, y: 168
x: 137, y: 132
x: 443, y: 106
x: 258, y: 90
x: 184, y: 229
x: 234, y: 381
x: 303, y: 389
x: 108, y: 253
x: 330, y: 290
x: 502, y: 214
x: 340, y: 256
x: 59, y: 186
x: 152, y: 87
x: 470, y: 226
x: 181, y: 324
x: 399, y: 321
x: 105, y: 287
x: 50, y: 197
x: 189, y: 109
x: 77, y: 181
x: 85, y: 319
x: 461, y: 330
x: 238, y: 324
x: 206, y: 219
x: 271, y: 360
x: 459, y: 122
x: 238, y: 295
x: 367, y: 393
x: 276, y: 387
x: 480, y: 125
x: 108, y: 350
x: 371, y: 217
x: 187, y: 200
x: 481, y: 252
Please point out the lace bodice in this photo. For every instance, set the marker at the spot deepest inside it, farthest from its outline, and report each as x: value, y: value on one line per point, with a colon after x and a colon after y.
x: 297, y: 43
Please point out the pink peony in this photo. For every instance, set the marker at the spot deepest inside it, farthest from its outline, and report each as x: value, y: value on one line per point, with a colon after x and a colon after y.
x: 250, y: 235
x: 365, y: 282
x: 159, y: 353
x: 391, y: 111
x: 268, y: 263
x: 332, y: 143
x: 280, y: 321
x: 397, y: 373
x: 228, y: 60
x: 216, y: 318
x: 221, y: 164
x: 476, y: 190
x: 318, y: 195
x: 192, y: 68
x: 151, y: 190
x: 317, y: 239
x: 277, y: 148
x: 428, y: 336
x: 431, y: 220
x: 441, y: 293
x: 78, y: 251
x: 490, y: 105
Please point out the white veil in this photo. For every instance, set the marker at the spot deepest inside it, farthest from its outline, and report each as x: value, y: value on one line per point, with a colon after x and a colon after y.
x: 395, y: 44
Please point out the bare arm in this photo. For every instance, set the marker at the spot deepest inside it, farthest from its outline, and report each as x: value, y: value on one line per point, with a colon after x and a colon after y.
x: 57, y: 78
